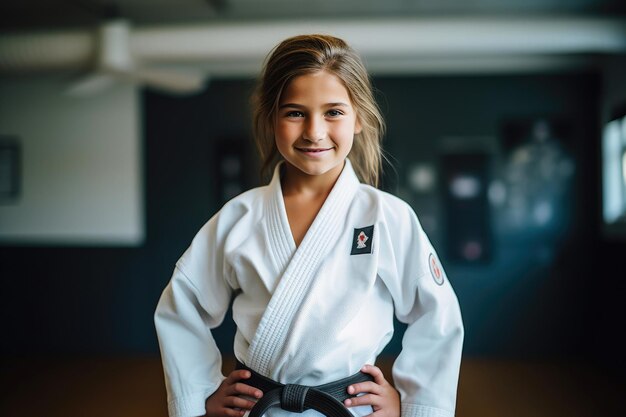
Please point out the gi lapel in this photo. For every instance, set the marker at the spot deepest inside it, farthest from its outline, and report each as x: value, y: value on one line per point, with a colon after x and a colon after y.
x: 300, y: 269
x: 281, y: 244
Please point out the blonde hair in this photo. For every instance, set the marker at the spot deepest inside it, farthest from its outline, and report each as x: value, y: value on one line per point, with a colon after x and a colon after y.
x: 306, y: 54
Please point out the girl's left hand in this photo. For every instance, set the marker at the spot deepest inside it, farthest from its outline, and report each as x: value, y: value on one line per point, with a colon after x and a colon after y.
x: 379, y: 393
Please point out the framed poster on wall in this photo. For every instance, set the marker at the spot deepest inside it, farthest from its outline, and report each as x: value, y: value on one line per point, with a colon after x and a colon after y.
x: 614, y: 175
x: 10, y: 169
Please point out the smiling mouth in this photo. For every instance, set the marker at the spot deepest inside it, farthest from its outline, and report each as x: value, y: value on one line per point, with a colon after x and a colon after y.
x: 313, y: 150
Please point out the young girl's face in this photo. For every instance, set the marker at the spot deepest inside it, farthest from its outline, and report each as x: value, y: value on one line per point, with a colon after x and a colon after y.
x: 315, y: 124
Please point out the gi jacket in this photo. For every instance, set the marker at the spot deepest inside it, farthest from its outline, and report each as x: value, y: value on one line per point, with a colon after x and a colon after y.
x: 316, y: 313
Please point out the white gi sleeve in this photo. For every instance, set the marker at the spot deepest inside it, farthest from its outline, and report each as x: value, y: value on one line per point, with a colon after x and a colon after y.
x: 195, y: 300
x: 426, y: 371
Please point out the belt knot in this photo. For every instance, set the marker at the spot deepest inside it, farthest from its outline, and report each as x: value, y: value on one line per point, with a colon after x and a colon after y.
x: 326, y: 399
x: 292, y: 397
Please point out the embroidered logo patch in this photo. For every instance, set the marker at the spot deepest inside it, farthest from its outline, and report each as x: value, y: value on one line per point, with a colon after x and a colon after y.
x: 435, y: 269
x: 362, y: 241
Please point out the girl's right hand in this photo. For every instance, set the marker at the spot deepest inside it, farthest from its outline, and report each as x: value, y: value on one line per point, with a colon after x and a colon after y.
x: 227, y: 400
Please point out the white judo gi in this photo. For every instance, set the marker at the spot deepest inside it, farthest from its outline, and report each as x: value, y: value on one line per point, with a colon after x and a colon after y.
x: 316, y: 313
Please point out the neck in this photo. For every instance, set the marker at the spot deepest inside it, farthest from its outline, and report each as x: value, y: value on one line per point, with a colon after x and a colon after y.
x: 295, y: 181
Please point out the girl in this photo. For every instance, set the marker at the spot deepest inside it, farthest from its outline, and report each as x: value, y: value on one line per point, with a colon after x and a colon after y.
x: 317, y: 263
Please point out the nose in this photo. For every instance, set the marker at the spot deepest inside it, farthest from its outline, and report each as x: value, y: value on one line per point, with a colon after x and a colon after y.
x: 315, y: 129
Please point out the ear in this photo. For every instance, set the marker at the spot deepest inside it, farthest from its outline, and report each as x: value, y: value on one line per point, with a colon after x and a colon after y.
x: 357, y: 126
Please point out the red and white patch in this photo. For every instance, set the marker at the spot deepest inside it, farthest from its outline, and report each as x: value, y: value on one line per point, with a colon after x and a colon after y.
x: 435, y: 269
x: 360, y: 240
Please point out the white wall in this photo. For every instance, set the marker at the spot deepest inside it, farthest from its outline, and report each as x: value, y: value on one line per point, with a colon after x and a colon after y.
x: 81, y: 179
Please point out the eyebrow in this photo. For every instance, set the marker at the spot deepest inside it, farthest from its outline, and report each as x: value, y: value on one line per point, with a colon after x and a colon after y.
x: 300, y: 106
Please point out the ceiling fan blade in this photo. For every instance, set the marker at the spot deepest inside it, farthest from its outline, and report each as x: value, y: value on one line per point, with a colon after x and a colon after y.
x: 169, y: 80
x: 115, y: 62
x: 91, y: 84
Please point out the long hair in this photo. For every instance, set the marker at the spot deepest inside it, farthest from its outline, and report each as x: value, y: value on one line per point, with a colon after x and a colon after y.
x: 306, y: 54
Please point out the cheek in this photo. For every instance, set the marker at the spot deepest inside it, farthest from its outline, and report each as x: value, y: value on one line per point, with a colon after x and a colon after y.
x: 283, y: 132
x: 345, y: 134
x: 284, y: 137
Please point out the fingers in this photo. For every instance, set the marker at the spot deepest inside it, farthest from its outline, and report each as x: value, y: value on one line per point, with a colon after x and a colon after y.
x: 238, y: 402
x: 367, y: 399
x: 234, y: 387
x: 379, y: 413
x: 233, y: 398
x: 231, y: 412
x: 375, y: 371
x: 240, y: 388
x: 237, y: 375
x: 368, y: 386
x: 378, y: 394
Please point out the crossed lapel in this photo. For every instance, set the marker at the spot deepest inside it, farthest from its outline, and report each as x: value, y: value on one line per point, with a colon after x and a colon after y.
x: 299, y: 265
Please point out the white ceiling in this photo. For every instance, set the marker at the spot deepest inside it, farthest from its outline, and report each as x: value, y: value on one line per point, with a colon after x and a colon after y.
x: 230, y: 37
x: 30, y: 14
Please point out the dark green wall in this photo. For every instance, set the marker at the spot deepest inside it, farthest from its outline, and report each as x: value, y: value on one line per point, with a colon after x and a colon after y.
x: 536, y: 297
x: 526, y: 300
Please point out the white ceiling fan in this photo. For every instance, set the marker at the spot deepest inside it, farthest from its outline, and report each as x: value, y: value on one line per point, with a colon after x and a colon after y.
x: 115, y: 63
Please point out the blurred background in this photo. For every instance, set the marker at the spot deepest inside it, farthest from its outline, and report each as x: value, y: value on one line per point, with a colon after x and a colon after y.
x: 125, y: 125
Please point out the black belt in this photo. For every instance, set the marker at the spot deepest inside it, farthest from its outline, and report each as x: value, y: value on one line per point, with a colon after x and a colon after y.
x: 327, y: 399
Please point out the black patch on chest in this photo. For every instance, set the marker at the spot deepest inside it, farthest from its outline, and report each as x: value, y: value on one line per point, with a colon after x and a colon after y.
x: 362, y: 240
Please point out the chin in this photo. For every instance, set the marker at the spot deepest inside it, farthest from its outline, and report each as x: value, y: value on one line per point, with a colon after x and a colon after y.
x: 314, y: 171
x: 315, y: 168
